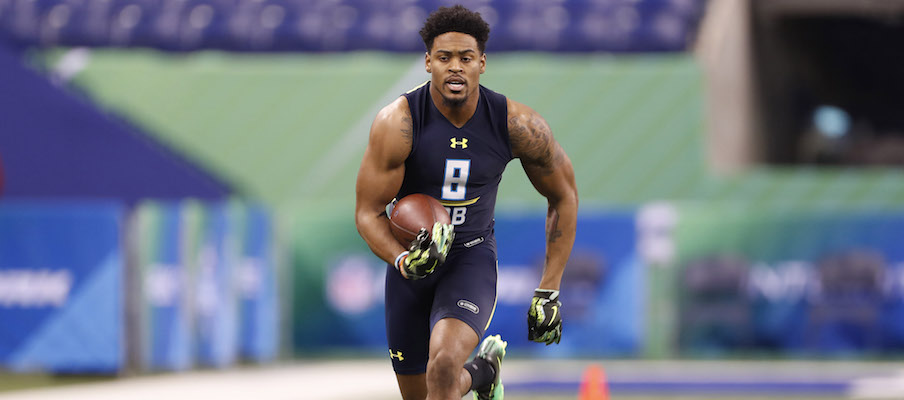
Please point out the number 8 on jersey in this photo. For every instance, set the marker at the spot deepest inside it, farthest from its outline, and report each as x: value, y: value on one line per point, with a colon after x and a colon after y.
x: 456, y: 179
x: 455, y: 187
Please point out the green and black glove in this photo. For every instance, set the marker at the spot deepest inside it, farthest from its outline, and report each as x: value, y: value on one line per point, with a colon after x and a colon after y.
x: 427, y: 251
x: 544, y: 321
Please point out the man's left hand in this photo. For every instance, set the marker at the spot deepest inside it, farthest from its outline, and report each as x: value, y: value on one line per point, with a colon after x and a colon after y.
x: 544, y: 320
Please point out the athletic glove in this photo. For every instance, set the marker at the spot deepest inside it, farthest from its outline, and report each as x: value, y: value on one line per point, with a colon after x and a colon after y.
x: 427, y: 251
x: 544, y: 321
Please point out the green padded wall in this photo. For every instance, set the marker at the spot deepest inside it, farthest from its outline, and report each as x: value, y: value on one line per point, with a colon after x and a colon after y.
x: 291, y: 128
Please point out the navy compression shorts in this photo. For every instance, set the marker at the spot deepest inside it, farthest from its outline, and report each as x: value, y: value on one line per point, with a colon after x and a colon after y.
x: 464, y: 288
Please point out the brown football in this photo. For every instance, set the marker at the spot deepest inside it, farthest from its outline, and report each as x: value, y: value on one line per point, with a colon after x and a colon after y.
x: 414, y: 212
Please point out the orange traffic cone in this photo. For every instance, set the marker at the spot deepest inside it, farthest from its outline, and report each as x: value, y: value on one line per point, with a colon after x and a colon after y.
x: 593, y: 385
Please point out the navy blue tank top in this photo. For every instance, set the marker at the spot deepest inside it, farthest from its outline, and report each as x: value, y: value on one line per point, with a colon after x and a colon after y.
x: 461, y: 167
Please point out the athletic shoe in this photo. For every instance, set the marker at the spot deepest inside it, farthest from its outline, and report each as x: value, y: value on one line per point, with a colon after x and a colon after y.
x: 493, y: 350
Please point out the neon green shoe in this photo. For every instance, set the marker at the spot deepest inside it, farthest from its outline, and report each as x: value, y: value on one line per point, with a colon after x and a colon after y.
x: 493, y: 350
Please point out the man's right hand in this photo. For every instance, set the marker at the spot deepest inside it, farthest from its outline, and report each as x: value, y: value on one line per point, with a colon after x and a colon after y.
x: 427, y: 251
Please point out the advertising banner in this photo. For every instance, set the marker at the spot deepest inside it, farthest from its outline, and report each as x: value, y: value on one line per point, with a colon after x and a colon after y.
x: 256, y: 285
x: 790, y: 280
x: 338, y: 287
x: 339, y: 290
x: 207, y: 277
x: 212, y: 260
x: 602, y: 288
x: 61, y: 288
x: 165, y: 311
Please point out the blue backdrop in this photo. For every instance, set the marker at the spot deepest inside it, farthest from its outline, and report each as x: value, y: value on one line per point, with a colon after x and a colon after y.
x: 602, y: 290
x: 165, y: 322
x: 61, y: 287
x: 257, y: 291
x: 800, y: 282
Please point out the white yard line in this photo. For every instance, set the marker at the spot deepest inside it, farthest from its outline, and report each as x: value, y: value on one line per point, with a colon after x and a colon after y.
x: 888, y: 387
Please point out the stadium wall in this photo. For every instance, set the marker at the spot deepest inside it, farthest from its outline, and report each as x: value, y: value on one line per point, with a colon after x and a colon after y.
x: 99, y: 287
x: 289, y: 129
x: 599, y: 107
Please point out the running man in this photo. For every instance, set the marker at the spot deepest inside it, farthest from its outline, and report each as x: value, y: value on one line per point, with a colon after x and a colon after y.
x: 451, y: 138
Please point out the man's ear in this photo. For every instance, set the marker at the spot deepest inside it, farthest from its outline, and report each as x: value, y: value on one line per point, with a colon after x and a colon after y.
x: 427, y: 62
x: 483, y: 63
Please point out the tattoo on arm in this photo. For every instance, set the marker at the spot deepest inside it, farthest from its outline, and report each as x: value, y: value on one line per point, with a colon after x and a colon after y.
x: 533, y: 142
x: 408, y: 127
x: 553, y: 232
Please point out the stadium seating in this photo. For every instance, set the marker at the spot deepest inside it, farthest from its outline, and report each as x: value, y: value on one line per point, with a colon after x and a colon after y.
x: 309, y: 25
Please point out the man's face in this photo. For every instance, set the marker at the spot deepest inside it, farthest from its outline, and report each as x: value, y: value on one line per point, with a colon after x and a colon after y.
x: 455, y: 64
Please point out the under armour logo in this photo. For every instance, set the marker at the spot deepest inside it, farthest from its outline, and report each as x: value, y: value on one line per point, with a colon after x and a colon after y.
x: 463, y: 143
x: 397, y: 354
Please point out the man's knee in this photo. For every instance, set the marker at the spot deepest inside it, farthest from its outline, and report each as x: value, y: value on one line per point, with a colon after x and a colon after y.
x: 444, y: 368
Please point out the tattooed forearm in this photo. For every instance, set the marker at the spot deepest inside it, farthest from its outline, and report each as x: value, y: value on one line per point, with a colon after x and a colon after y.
x: 553, y: 232
x: 533, y: 142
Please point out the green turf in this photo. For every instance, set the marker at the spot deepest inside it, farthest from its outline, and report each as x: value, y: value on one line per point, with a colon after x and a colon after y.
x: 9, y: 382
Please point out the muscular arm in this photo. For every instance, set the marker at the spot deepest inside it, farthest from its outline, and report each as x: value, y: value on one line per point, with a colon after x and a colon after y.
x: 549, y: 170
x: 380, y: 177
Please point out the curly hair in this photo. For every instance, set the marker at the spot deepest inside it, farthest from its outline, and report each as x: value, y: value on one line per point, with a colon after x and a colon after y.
x: 455, y: 19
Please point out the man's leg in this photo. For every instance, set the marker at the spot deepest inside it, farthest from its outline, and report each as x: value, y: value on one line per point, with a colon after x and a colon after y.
x: 486, y: 368
x: 412, y: 387
x: 451, y: 343
x: 463, y: 305
x: 408, y: 306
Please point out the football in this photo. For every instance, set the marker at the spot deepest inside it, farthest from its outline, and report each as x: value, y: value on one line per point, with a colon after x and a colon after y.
x: 414, y: 212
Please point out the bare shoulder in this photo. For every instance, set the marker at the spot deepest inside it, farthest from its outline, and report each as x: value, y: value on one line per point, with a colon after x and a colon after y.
x: 391, y: 134
x: 393, y: 119
x: 531, y: 138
